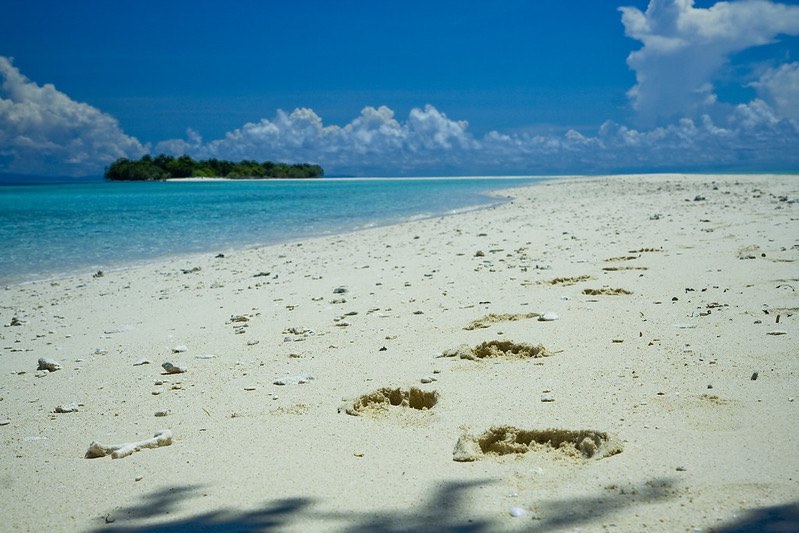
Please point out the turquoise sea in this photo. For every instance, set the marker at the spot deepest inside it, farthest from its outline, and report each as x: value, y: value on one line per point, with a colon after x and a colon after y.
x: 48, y: 230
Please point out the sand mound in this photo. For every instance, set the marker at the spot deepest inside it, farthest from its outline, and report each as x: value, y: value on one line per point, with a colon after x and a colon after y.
x: 492, y: 349
x: 505, y: 440
x: 606, y: 292
x: 384, y: 399
x: 488, y: 320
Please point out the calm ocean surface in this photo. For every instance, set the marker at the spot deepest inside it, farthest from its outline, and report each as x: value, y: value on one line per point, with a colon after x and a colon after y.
x: 49, y: 230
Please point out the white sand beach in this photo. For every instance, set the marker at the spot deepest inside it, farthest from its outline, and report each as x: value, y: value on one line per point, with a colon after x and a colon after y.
x: 668, y: 377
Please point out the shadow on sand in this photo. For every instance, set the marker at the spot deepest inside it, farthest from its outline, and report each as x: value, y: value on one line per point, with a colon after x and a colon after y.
x: 776, y: 519
x: 447, y: 509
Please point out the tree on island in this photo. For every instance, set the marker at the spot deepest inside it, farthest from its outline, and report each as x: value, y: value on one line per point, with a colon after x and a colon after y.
x: 164, y: 167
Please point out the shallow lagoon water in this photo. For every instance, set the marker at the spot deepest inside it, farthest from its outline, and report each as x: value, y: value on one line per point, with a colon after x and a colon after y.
x: 50, y: 230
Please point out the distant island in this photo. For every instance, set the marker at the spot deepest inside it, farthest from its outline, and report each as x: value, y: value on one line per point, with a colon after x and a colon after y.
x: 165, y: 167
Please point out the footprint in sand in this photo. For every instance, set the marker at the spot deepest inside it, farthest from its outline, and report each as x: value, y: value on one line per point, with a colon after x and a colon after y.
x: 382, y: 401
x: 488, y: 320
x: 567, y: 281
x: 631, y: 257
x: 606, y: 292
x: 616, y: 269
x: 506, y: 440
x: 496, y: 348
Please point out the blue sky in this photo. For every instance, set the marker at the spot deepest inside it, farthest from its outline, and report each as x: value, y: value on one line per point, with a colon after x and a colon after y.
x: 403, y: 88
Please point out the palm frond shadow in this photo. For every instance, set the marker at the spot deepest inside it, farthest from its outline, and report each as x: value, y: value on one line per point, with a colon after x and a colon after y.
x: 775, y: 518
x: 447, y: 509
x: 572, y: 512
x: 162, y: 503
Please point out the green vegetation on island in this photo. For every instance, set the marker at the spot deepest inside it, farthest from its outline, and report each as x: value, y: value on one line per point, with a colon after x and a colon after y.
x: 164, y: 167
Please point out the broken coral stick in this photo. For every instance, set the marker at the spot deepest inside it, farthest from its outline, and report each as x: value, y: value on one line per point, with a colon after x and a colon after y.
x: 118, y: 451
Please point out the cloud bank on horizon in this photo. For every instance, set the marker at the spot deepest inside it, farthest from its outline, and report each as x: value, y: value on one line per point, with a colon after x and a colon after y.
x: 681, y: 122
x: 44, y: 131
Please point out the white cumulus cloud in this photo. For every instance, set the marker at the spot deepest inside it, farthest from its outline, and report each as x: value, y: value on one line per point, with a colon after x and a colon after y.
x: 780, y: 88
x: 752, y: 137
x: 685, y: 47
x: 373, y: 142
x: 42, y: 130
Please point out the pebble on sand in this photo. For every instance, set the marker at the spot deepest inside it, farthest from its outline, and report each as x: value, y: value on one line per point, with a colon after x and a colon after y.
x: 548, y: 316
x: 169, y: 368
x: 67, y: 408
x: 49, y: 365
x: 294, y: 380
